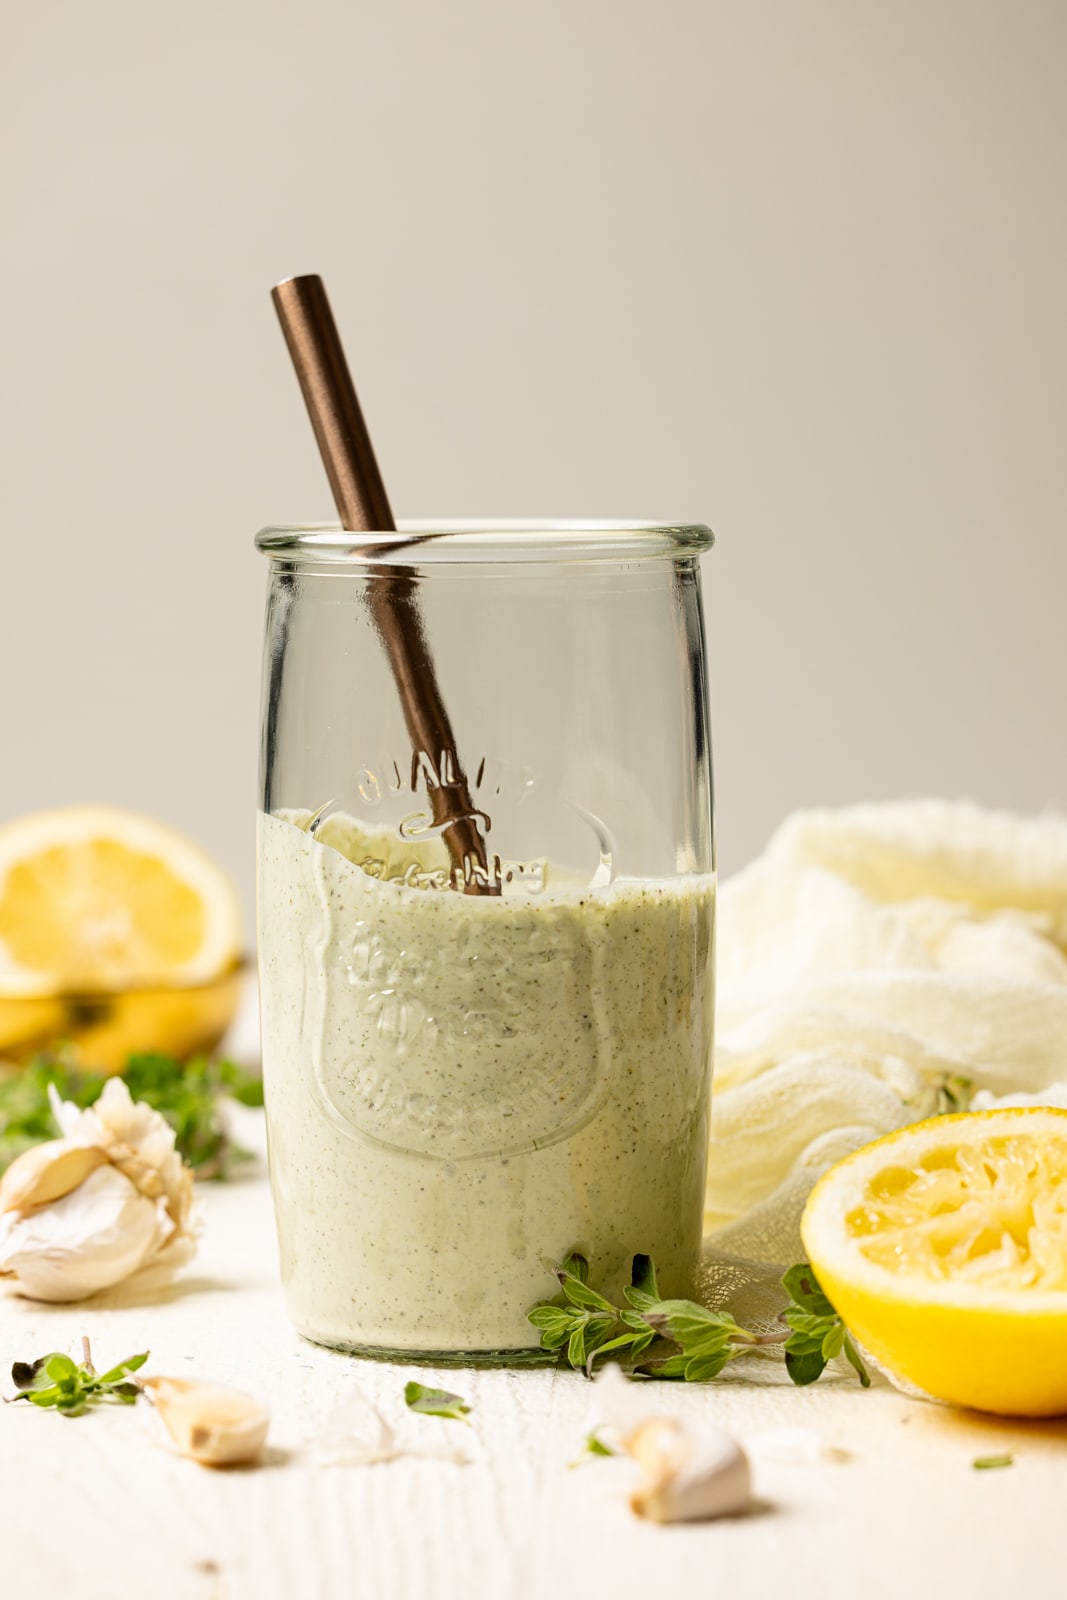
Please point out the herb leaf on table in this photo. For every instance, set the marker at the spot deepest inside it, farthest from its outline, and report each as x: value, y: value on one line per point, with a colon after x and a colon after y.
x: 58, y: 1382
x: 593, y: 1448
x: 435, y: 1402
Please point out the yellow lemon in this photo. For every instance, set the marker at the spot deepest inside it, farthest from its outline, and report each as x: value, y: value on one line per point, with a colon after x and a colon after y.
x: 944, y: 1249
x: 95, y: 898
x: 117, y: 934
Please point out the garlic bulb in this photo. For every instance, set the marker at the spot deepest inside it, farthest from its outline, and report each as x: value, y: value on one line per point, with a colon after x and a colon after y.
x: 217, y: 1427
x: 92, y: 1238
x: 84, y: 1212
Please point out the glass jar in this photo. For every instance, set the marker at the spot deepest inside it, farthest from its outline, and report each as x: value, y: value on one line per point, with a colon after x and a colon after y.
x: 473, y: 1067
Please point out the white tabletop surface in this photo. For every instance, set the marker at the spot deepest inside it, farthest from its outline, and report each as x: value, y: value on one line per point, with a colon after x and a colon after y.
x: 95, y: 1509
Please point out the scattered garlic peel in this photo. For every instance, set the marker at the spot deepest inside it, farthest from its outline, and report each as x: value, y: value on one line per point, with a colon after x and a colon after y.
x: 216, y: 1426
x: 688, y: 1476
x: 357, y: 1435
x: 47, y: 1172
x: 794, y: 1447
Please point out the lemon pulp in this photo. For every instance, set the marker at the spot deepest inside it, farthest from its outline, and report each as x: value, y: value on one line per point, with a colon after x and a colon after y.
x: 96, y: 910
x: 994, y: 1213
x: 94, y: 897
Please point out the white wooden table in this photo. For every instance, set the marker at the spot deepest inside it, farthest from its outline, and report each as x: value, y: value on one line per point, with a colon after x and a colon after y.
x: 95, y: 1509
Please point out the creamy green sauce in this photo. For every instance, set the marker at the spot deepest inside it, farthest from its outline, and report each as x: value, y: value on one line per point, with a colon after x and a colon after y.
x: 460, y: 1088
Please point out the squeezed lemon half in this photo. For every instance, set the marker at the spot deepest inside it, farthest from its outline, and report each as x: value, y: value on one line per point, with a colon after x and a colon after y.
x: 944, y: 1249
x: 96, y: 898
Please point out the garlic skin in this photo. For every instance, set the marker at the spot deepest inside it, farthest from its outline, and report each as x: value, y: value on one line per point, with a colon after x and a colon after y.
x: 796, y: 1447
x: 216, y: 1426
x: 85, y: 1212
x: 357, y: 1435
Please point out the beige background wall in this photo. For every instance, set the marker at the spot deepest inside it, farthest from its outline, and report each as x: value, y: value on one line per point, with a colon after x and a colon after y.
x: 795, y: 269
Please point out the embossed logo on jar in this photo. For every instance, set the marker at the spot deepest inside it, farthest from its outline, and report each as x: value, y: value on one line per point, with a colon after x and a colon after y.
x: 455, y: 1038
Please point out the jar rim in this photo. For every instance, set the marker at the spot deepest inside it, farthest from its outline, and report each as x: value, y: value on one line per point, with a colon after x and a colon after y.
x: 486, y: 540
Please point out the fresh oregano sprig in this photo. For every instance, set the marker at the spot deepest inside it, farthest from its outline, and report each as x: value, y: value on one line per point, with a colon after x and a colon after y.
x: 660, y: 1338
x: 58, y: 1382
x: 817, y: 1332
x: 653, y: 1336
x: 954, y: 1093
x: 186, y: 1093
x: 588, y: 1324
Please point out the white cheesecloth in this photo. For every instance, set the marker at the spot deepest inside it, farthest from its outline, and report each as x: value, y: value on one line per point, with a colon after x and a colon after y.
x: 875, y: 965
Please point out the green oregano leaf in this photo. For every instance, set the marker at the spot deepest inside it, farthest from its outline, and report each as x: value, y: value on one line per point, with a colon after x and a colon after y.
x: 817, y: 1333
x: 435, y: 1402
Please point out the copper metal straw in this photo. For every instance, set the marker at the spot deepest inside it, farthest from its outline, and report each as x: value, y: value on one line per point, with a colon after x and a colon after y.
x: 363, y: 507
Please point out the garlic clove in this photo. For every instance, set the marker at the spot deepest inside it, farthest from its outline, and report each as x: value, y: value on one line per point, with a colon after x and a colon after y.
x: 688, y: 1476
x: 217, y: 1427
x: 46, y: 1172
x: 87, y: 1240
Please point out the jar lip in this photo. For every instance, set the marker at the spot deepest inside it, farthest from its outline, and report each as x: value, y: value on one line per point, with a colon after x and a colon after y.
x: 487, y: 540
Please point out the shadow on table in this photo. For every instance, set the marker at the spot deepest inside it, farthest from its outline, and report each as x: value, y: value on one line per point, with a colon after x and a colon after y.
x: 132, y: 1295
x: 989, y: 1434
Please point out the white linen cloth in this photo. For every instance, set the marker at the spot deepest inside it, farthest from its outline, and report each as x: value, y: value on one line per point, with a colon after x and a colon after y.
x: 876, y: 965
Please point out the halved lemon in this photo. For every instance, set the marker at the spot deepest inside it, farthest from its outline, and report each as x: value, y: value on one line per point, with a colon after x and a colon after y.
x: 944, y: 1249
x: 96, y: 898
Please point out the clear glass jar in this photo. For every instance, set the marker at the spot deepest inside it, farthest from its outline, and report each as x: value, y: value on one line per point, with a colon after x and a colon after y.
x: 462, y: 1087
